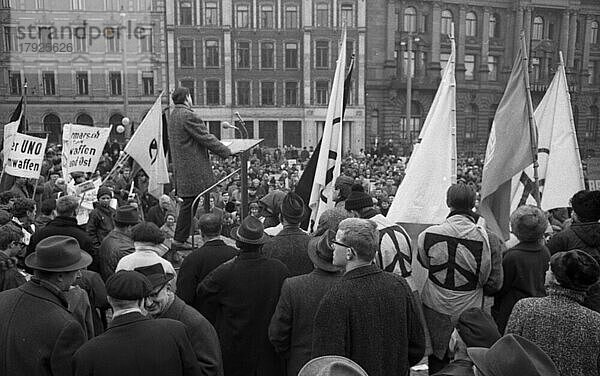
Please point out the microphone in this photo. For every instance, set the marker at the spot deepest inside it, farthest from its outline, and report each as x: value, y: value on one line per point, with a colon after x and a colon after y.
x: 227, y: 125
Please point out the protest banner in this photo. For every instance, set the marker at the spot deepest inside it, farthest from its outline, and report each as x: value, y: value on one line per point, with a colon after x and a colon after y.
x: 82, y: 147
x: 25, y: 156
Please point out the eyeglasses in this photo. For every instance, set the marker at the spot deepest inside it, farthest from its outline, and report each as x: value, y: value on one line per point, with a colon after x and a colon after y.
x: 342, y: 245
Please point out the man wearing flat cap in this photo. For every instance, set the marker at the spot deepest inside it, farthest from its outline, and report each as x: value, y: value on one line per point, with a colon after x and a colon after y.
x: 162, y: 303
x: 38, y: 335
x: 118, y: 243
x: 133, y: 344
x: 190, y: 142
x: 290, y: 244
x: 244, y: 293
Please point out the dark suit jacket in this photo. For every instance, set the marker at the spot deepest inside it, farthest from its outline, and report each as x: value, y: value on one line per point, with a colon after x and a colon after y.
x: 134, y: 345
x: 198, y: 265
x: 290, y: 247
x: 190, y: 141
x: 203, y: 336
x: 38, y: 335
x: 370, y: 317
x: 245, y: 291
x: 291, y: 327
x: 62, y: 226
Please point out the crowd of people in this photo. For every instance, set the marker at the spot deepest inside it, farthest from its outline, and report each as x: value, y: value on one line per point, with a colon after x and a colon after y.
x: 123, y: 292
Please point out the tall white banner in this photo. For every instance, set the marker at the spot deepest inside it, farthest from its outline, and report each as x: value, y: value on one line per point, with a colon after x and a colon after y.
x: 82, y: 147
x: 24, y: 159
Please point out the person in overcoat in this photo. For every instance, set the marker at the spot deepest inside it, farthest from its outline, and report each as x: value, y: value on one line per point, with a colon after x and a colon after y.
x: 290, y: 244
x: 244, y: 292
x: 38, y: 334
x: 134, y: 344
x: 190, y: 141
x: 291, y: 327
x: 369, y: 316
x: 198, y: 264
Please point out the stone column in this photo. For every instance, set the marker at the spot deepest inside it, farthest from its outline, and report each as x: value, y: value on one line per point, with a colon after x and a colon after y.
x: 436, y: 20
x: 564, y: 34
x: 460, y: 42
x: 278, y: 21
x: 335, y: 14
x: 572, y: 39
x: 546, y: 65
x: 586, y: 49
x: 392, y: 26
x: 527, y: 27
x: 255, y: 18
x: 517, y: 30
x: 485, y: 45
x: 361, y: 60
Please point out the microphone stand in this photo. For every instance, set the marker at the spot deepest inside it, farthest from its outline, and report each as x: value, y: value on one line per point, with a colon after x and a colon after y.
x: 244, y: 169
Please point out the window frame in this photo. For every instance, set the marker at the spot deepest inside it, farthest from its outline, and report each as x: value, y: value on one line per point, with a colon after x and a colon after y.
x: 271, y: 19
x: 287, y: 90
x: 446, y: 22
x: 287, y: 19
x: 472, y: 77
x: 594, y: 26
x: 82, y: 77
x: 214, y: 10
x: 409, y: 20
x: 537, y: 28
x: 247, y: 54
x: 192, y: 53
x: 208, y: 95
x: 180, y: 13
x: 319, y: 50
x: 344, y: 13
x: 471, y: 24
x: 273, y: 93
x: 237, y: 93
x: 212, y: 54
x: 244, y: 10
x: 286, y: 60
x: 319, y: 17
x: 272, y: 57
x: 148, y: 80
x: 116, y: 90
x: 325, y: 95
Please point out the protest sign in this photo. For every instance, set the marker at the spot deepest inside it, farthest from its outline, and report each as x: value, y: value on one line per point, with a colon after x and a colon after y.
x: 82, y: 147
x: 25, y: 156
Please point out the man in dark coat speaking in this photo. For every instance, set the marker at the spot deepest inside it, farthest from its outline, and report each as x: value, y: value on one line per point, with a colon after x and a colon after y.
x: 189, y: 141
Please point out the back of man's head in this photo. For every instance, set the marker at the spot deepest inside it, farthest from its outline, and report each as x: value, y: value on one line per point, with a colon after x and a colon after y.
x: 48, y: 206
x: 586, y: 205
x: 362, y: 235
x: 180, y: 95
x: 21, y: 206
x: 460, y: 197
x: 66, y: 206
x: 210, y: 225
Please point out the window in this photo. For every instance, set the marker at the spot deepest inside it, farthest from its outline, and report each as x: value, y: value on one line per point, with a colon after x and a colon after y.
x: 535, y: 69
x: 471, y: 24
x: 113, y: 4
x: 291, y: 93
x: 291, y: 56
x: 350, y: 94
x: 444, y: 60
x: 44, y: 35
x: 243, y: 55
x: 321, y: 92
x: 592, y: 123
x: 145, y: 4
x: 146, y: 41
x: 322, y: 55
x: 81, y: 41
x: 538, y: 28
x: 266, y: 55
x: 185, y: 12
x: 4, y: 4
x: 550, y: 31
x: 82, y: 83
x: 471, y: 122
x: 423, y: 23
x: 492, y: 68
x: 447, y: 20
x: 322, y: 15
x: 405, y: 67
x: 186, y: 53
x: 291, y: 17
x: 84, y: 119
x: 410, y: 20
x: 469, y: 67
x: 39, y: 4
x: 267, y: 93
x: 594, y: 32
x: 347, y: 15
x: 77, y: 4
x: 243, y: 93
x: 191, y: 86
x: 15, y: 82
x: 212, y: 53
x: 493, y: 31
x: 349, y: 51
x: 148, y: 83
x: 48, y: 82
x: 242, y: 17
x: 213, y: 92
x: 113, y: 43
x: 592, y: 72
x: 266, y: 16
x: 10, y: 39
x: 114, y: 79
x: 211, y: 13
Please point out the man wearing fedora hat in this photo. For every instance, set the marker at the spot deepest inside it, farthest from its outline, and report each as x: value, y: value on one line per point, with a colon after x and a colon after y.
x: 290, y: 244
x: 163, y: 303
x: 133, y: 344
x: 38, y: 335
x: 244, y: 293
x: 118, y: 242
x: 291, y: 327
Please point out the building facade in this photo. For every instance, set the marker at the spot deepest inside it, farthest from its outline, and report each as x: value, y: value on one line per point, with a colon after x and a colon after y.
x: 89, y: 62
x: 487, y: 34
x: 271, y: 61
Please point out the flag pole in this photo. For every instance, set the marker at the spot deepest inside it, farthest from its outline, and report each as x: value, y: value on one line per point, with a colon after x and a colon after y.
x: 453, y: 176
x: 532, y: 126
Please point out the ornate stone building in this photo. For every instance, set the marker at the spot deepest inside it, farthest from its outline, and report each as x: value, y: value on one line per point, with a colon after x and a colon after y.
x: 487, y: 34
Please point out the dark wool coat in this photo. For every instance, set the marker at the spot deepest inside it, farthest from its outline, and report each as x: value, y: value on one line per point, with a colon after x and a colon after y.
x: 564, y: 329
x: 189, y: 141
x: 198, y: 265
x: 291, y: 327
x: 38, y: 335
x: 62, y: 226
x: 245, y: 291
x: 584, y: 236
x: 134, y: 345
x: 100, y: 223
x: 370, y: 317
x: 114, y: 247
x: 290, y: 247
x: 203, y: 336
x: 525, y: 267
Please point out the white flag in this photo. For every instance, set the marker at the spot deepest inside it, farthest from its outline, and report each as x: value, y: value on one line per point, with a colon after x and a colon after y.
x: 560, y: 172
x: 421, y: 197
x: 329, y: 164
x: 146, y: 148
